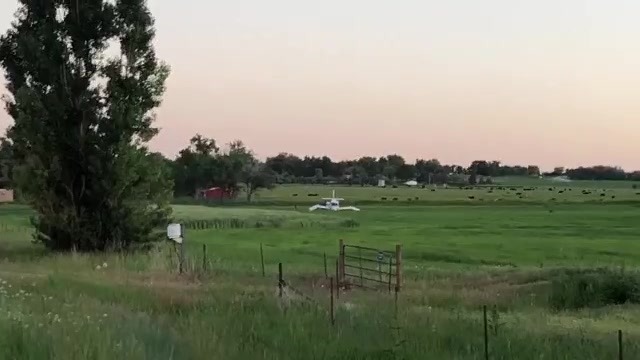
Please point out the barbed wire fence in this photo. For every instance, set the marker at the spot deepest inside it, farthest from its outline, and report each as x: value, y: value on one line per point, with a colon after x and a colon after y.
x: 343, y: 281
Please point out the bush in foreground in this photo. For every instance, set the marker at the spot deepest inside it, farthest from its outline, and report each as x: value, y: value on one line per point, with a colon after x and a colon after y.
x: 575, y: 289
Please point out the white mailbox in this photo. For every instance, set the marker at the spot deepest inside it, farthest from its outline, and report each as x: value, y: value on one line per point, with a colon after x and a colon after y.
x: 174, y: 232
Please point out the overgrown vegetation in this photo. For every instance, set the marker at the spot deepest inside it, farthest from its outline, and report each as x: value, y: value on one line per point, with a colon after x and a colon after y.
x: 576, y: 289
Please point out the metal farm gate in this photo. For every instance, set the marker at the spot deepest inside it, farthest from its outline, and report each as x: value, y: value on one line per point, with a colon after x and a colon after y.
x: 369, y: 268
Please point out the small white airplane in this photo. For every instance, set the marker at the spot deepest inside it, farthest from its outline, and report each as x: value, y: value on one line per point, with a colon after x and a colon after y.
x: 333, y: 204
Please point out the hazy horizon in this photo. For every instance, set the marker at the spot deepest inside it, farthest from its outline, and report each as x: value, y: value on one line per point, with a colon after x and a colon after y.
x: 547, y: 83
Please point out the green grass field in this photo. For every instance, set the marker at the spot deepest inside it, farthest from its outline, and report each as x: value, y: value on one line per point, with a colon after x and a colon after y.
x: 523, y: 258
x: 523, y: 191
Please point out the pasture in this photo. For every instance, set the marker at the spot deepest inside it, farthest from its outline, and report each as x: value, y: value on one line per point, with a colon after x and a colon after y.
x: 558, y: 277
x: 522, y: 191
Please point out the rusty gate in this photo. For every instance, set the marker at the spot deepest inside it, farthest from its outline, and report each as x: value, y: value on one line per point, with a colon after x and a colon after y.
x: 369, y: 268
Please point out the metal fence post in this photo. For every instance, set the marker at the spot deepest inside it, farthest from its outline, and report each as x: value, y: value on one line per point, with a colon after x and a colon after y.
x: 389, y: 275
x: 341, y: 263
x: 337, y: 277
x: 333, y: 316
x: 204, y: 257
x: 262, y: 259
x: 398, y: 266
x: 326, y: 272
x: 360, y: 266
x: 280, y: 279
x: 620, y: 351
x: 486, y: 334
x: 182, y: 255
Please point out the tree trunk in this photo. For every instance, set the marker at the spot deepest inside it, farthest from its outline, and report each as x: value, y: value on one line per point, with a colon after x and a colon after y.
x: 249, y: 194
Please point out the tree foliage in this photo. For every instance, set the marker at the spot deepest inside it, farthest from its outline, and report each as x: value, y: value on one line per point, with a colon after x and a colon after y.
x: 82, y: 119
x: 599, y: 172
x: 255, y: 176
x: 6, y: 163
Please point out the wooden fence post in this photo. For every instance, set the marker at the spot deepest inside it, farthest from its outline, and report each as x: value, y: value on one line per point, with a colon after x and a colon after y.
x: 398, y: 266
x: 396, y: 302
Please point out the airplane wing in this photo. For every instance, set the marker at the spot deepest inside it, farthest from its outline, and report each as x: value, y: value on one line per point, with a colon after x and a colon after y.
x: 316, y: 207
x: 353, y: 208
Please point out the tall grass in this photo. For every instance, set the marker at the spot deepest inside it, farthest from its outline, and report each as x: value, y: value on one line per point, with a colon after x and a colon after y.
x: 136, y: 306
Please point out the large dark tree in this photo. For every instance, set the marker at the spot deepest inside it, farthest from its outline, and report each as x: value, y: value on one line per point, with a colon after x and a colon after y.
x: 83, y: 80
x: 6, y: 163
x: 197, y: 167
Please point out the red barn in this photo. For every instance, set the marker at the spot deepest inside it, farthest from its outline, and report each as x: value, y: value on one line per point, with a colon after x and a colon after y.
x: 216, y: 193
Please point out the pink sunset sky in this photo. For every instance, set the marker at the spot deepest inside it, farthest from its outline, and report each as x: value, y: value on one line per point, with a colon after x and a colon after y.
x: 547, y: 82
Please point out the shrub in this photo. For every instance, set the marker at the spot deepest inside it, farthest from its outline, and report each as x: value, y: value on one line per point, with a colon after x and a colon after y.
x: 575, y: 289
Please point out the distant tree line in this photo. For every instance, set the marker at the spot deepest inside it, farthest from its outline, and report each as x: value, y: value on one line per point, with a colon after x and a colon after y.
x: 203, y: 164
